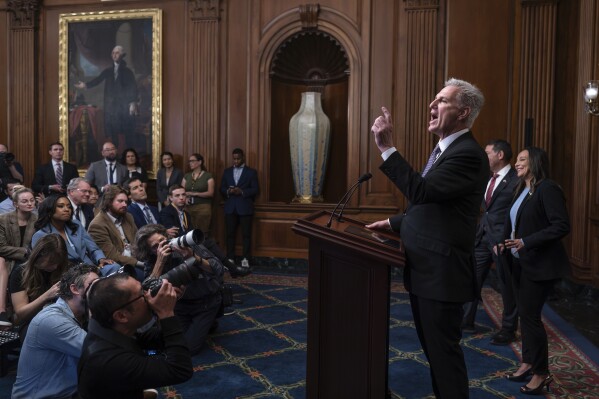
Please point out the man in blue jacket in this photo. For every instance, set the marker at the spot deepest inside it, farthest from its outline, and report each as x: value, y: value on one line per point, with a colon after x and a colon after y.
x: 239, y: 186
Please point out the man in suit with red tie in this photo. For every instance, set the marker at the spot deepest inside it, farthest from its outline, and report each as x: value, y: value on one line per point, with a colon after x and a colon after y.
x: 53, y: 177
x: 438, y: 227
x: 239, y: 186
x: 495, y: 205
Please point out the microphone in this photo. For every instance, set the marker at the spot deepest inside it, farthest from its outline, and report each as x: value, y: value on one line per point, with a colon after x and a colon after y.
x: 347, y: 196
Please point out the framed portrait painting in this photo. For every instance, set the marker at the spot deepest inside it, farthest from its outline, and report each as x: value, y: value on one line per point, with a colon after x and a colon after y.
x: 110, y: 85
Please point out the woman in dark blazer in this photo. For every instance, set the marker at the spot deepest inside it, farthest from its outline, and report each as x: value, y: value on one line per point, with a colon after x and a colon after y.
x: 167, y: 175
x: 538, y: 220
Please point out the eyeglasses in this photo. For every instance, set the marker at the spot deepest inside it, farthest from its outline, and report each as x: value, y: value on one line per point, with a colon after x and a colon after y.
x: 84, y: 191
x: 122, y: 270
x: 130, y: 302
x: 192, y: 160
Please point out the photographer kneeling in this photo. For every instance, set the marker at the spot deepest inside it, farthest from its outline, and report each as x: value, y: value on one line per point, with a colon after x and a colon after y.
x: 201, y: 302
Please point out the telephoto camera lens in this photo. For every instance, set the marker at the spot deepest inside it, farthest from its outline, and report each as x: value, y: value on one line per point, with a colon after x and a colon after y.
x: 188, y: 240
x: 178, y: 276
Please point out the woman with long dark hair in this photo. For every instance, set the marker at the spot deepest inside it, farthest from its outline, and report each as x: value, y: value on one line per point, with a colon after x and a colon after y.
x: 167, y: 175
x: 134, y: 169
x: 35, y: 283
x: 538, y: 220
x: 54, y: 216
x: 199, y: 188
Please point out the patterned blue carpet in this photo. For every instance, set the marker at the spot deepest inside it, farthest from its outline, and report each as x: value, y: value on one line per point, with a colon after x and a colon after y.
x: 260, y: 351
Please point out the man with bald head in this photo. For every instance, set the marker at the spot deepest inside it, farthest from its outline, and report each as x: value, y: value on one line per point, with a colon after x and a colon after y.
x: 107, y: 171
x: 120, y: 99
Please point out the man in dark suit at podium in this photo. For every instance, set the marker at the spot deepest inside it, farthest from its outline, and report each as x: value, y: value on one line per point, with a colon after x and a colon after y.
x: 53, y: 177
x: 438, y: 227
x: 495, y: 206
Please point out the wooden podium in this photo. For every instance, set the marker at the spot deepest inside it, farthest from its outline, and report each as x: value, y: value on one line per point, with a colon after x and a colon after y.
x: 348, y: 307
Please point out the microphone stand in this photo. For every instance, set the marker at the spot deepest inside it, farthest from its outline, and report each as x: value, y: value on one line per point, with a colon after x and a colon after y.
x: 347, y: 196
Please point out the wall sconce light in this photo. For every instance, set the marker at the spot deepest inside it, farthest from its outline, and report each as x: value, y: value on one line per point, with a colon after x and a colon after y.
x: 591, y: 97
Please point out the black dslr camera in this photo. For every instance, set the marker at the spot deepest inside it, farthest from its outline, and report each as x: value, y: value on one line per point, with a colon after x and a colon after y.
x: 186, y: 271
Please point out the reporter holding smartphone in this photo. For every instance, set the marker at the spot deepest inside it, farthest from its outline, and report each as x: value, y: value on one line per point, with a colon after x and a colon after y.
x: 538, y: 220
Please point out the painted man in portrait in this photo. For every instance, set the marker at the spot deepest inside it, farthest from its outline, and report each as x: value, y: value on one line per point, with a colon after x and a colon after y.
x: 120, y: 99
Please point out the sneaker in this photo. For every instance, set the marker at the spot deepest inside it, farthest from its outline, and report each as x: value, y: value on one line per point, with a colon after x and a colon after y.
x: 245, y: 263
x: 4, y: 322
x: 237, y: 271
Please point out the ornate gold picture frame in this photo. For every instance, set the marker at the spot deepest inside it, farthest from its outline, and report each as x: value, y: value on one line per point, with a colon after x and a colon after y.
x: 110, y: 84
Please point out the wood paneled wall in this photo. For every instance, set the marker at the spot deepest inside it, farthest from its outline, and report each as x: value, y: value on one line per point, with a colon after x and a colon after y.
x: 530, y: 58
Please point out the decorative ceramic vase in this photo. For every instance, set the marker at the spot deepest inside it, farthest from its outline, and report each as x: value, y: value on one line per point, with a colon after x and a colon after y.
x: 309, y: 137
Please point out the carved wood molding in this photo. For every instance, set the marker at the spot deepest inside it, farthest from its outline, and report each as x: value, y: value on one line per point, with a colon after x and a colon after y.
x: 309, y: 15
x: 526, y: 3
x: 203, y: 10
x: 203, y: 92
x: 24, y: 13
x: 421, y: 4
x: 421, y: 54
x: 537, y: 81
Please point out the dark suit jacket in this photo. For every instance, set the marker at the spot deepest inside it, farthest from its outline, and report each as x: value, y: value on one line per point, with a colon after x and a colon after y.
x: 541, y: 222
x: 439, y: 227
x: 161, y: 185
x: 248, y: 182
x: 45, y: 177
x: 88, y: 214
x: 138, y: 215
x: 96, y: 173
x: 490, y: 225
x: 169, y: 217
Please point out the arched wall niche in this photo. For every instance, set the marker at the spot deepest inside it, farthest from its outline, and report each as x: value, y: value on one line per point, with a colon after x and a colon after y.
x: 308, y: 61
x: 279, y: 101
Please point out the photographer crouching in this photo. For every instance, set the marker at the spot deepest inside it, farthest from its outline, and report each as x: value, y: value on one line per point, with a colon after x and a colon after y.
x: 184, y: 261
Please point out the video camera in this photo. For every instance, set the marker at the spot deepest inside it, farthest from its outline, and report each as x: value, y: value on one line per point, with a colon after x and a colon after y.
x: 6, y: 159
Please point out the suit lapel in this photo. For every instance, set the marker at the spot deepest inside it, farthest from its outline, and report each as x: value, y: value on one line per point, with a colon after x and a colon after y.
x: 505, y: 182
x: 115, y: 232
x: 522, y: 205
x: 14, y: 225
x: 450, y: 149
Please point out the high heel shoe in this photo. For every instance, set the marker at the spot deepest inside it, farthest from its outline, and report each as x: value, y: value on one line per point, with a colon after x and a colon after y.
x: 538, y: 390
x: 519, y: 378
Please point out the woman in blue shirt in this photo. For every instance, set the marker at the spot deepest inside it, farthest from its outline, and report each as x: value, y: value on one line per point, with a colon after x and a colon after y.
x: 538, y: 220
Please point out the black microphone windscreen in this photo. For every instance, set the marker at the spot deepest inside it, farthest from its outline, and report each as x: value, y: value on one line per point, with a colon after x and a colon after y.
x: 364, y: 177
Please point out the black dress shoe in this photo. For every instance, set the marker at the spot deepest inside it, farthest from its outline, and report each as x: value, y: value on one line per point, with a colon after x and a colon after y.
x: 519, y: 378
x: 503, y: 337
x: 468, y: 328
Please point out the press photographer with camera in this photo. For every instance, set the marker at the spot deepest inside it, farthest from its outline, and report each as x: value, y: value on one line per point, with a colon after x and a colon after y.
x: 115, y: 362
x: 184, y: 261
x: 9, y: 168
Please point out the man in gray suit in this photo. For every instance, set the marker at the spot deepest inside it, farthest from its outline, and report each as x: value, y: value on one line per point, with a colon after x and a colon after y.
x: 106, y: 171
x: 495, y: 205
